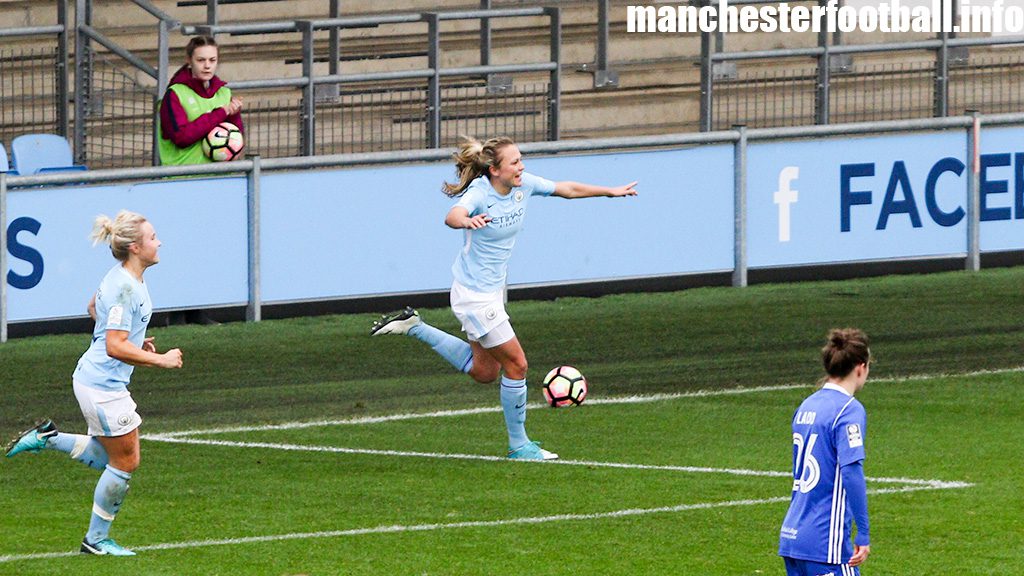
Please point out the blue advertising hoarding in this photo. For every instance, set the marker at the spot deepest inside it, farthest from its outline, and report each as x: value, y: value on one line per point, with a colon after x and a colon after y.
x: 54, y: 269
x: 849, y: 199
x: 342, y: 233
x: 1002, y: 189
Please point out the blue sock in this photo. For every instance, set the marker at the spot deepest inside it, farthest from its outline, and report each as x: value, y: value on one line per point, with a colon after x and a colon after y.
x: 513, y: 404
x: 455, y: 350
x: 106, y: 502
x: 84, y: 449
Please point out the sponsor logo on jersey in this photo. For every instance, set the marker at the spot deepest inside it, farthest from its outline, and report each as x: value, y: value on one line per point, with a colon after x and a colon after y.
x: 510, y: 219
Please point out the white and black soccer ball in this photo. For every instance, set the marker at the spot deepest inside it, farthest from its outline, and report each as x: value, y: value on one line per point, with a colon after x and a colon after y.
x: 565, y: 386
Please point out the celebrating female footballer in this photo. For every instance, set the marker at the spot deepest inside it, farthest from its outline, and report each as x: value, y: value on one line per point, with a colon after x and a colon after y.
x: 493, y: 192
x: 122, y: 309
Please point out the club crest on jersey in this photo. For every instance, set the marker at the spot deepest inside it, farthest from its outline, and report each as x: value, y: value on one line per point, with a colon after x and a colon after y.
x: 853, y: 435
x: 518, y: 196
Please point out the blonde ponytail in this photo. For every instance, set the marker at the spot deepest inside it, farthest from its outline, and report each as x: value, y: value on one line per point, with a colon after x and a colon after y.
x: 119, y: 233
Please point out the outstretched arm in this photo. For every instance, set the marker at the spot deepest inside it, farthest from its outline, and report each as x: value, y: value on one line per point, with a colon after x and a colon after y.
x: 568, y: 189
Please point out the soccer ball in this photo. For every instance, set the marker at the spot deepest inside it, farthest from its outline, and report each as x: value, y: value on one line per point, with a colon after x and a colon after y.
x: 223, y: 143
x: 565, y: 386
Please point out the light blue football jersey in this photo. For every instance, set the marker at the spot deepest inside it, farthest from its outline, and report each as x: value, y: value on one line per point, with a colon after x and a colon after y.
x: 122, y: 303
x: 482, y: 264
x: 828, y: 432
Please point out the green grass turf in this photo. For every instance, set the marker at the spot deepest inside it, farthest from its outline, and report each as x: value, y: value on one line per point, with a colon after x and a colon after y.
x: 964, y: 428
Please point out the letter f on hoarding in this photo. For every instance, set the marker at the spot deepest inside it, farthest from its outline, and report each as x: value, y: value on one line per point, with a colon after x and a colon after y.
x: 785, y: 196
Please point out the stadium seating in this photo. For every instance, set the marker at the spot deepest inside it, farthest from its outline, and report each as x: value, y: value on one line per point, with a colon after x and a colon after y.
x: 40, y: 153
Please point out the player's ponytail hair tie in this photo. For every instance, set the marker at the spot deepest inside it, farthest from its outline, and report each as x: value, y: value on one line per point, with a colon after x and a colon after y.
x: 120, y: 232
x: 472, y: 160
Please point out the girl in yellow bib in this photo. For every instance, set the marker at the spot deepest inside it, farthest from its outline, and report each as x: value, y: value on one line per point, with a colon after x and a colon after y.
x: 196, y: 100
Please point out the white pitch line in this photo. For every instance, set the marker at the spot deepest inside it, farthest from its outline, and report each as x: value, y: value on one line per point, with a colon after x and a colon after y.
x: 637, y: 399
x: 419, y: 527
x: 471, y: 411
x: 488, y: 458
x: 398, y: 528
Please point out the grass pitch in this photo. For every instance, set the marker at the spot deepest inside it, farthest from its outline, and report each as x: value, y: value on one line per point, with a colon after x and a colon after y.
x: 263, y: 456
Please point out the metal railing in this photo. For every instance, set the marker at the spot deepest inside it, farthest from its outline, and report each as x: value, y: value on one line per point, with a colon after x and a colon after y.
x: 866, y: 92
x: 945, y: 46
x: 346, y: 105
x: 739, y: 136
x: 431, y: 75
x: 85, y: 64
x: 24, y: 73
x: 117, y: 91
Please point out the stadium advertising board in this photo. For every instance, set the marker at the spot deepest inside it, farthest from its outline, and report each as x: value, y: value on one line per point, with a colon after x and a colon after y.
x: 904, y: 196
x: 381, y: 230
x: 356, y: 232
x: 1002, y: 189
x: 53, y: 270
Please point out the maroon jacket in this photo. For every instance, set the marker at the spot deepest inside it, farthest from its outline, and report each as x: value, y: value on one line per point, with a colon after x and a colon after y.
x: 174, y: 122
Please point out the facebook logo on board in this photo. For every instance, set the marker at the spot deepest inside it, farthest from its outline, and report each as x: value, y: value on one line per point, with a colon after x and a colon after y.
x: 785, y: 196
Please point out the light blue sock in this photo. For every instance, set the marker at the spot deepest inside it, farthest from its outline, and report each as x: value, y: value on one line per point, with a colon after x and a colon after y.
x: 106, y: 502
x: 513, y: 404
x: 84, y: 449
x: 455, y: 350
